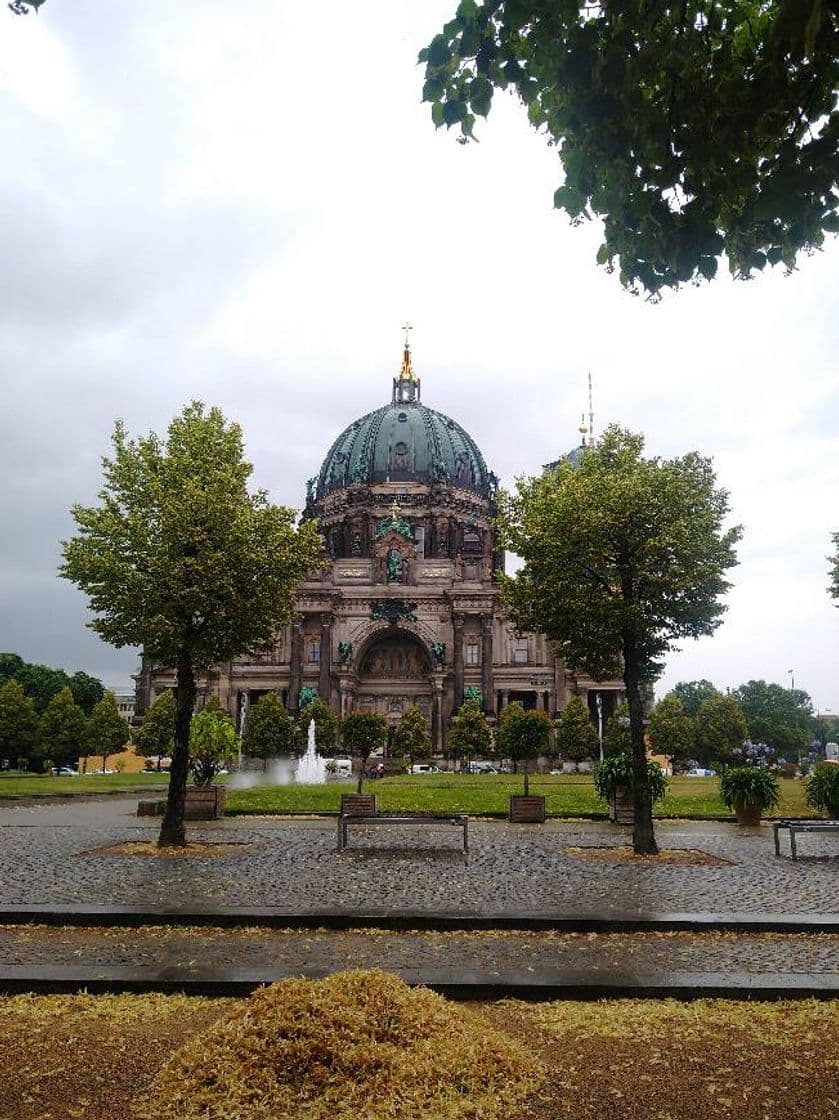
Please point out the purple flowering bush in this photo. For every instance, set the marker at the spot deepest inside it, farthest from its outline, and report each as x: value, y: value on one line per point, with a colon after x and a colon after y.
x: 755, y: 754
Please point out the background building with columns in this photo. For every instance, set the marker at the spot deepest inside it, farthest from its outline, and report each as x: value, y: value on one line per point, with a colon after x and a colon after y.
x: 407, y: 609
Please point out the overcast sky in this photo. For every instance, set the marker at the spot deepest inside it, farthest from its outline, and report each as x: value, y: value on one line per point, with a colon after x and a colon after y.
x: 242, y: 203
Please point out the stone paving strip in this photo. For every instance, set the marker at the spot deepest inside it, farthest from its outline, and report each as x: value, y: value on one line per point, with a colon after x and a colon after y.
x: 50, y: 856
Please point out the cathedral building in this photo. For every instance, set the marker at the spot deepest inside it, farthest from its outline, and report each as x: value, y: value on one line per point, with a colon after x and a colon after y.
x: 406, y: 610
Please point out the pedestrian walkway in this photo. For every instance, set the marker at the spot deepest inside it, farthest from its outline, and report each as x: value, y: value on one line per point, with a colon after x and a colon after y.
x: 534, y: 913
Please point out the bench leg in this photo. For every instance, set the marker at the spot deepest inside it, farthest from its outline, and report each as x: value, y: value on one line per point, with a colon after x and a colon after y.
x: 466, y: 837
x: 777, y: 841
x: 792, y: 843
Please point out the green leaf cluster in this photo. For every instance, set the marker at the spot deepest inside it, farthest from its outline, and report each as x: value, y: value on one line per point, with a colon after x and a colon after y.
x: 823, y: 789
x: 18, y: 724
x: 269, y: 729
x: 469, y: 732
x: 523, y: 735
x: 778, y: 716
x: 618, y: 772
x: 212, y: 742
x: 671, y: 729
x: 691, y: 130
x: 720, y: 727
x: 42, y: 682
x: 833, y: 588
x: 61, y: 730
x: 410, y: 737
x: 155, y: 737
x: 576, y: 737
x: 107, y: 730
x: 326, y: 726
x: 618, y: 737
x: 744, y: 786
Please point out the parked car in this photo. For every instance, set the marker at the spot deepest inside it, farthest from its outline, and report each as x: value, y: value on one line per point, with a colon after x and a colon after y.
x: 482, y: 768
x: 65, y: 772
x: 699, y: 772
x: 424, y: 768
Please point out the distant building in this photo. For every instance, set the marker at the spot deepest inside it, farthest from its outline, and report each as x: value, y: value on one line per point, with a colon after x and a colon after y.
x: 125, y: 704
x: 407, y: 610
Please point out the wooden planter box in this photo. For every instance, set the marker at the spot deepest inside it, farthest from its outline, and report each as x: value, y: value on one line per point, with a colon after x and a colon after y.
x: 748, y: 816
x: 204, y: 803
x: 359, y: 804
x: 527, y: 810
x: 622, y: 806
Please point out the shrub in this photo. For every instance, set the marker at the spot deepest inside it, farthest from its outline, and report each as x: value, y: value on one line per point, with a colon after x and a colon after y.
x: 823, y: 789
x: 615, y: 772
x: 742, y: 786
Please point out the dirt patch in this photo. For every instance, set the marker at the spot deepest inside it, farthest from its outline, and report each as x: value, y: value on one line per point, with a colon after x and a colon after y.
x: 150, y: 848
x: 680, y: 857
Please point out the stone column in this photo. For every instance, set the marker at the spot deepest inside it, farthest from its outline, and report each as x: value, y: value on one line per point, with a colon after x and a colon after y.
x: 505, y: 698
x: 486, y: 665
x: 325, y: 680
x: 540, y: 700
x: 457, y: 660
x: 296, y: 671
x: 437, y: 715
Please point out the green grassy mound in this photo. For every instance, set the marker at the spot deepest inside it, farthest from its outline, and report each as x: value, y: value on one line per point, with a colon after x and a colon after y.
x: 358, y: 1044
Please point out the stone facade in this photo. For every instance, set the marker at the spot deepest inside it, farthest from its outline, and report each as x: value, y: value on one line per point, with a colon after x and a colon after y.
x: 407, y: 610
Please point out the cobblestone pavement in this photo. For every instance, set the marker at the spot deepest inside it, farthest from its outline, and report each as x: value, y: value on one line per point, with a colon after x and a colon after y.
x: 292, y: 865
x: 299, y: 953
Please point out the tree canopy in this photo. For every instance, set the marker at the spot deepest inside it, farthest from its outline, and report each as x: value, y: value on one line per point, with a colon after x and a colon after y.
x: 693, y: 693
x: 180, y: 558
x: 212, y: 742
x: 576, y: 738
x: 721, y: 728
x: 523, y: 735
x: 326, y: 726
x: 18, y: 724
x: 107, y: 731
x: 671, y: 729
x: 778, y: 716
x: 269, y: 729
x: 622, y: 556
x: 42, y: 682
x: 833, y: 588
x: 691, y: 129
x: 155, y: 737
x: 61, y: 730
x: 361, y: 734
x: 410, y: 737
x: 469, y: 731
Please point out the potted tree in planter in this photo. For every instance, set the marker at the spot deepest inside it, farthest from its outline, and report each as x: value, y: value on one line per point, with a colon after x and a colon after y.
x: 576, y: 738
x: 524, y: 736
x: 212, y: 744
x: 469, y: 733
x: 823, y: 789
x: 613, y: 782
x: 749, y: 791
x: 361, y: 733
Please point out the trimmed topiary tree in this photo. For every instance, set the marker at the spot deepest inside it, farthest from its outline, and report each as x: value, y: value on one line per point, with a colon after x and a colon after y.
x: 576, y: 738
x: 326, y: 726
x: 469, y: 732
x: 269, y: 729
x: 525, y: 736
x: 361, y: 734
x: 410, y: 738
x: 212, y: 742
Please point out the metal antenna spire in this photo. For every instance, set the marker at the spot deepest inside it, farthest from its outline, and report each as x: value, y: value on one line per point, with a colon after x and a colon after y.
x: 590, y: 412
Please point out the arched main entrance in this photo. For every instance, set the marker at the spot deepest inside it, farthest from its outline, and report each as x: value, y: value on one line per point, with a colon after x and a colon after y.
x: 394, y: 672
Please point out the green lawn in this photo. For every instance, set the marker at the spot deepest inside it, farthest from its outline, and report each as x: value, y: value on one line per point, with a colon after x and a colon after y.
x: 568, y: 795
x: 18, y: 784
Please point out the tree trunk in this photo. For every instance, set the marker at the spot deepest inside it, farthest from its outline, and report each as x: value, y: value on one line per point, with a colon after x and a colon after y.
x: 643, y: 836
x: 361, y: 773
x: 172, y: 831
x: 526, y: 783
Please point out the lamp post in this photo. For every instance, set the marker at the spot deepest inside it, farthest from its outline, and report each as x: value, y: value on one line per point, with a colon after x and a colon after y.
x: 791, y: 679
x: 598, y: 701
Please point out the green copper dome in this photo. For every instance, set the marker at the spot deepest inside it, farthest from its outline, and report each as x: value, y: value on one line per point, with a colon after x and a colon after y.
x: 404, y: 442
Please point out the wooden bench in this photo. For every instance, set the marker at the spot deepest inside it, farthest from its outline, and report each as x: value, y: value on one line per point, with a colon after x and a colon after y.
x: 460, y: 820
x: 796, y: 826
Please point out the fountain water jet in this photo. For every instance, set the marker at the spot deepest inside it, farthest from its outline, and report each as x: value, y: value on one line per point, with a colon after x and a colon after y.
x: 311, y: 769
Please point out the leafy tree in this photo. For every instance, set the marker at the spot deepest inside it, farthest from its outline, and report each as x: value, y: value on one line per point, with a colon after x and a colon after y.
x: 87, y: 691
x: 212, y: 742
x: 411, y: 738
x: 691, y: 129
x: 10, y: 665
x: 618, y: 737
x: 61, y: 730
x: 42, y: 683
x: 21, y: 7
x: 523, y: 736
x: 107, y: 732
x: 720, y: 728
x: 833, y: 589
x: 576, y: 737
x: 778, y: 716
x: 671, y: 729
x: 692, y: 694
x: 622, y: 556
x: 269, y: 729
x: 361, y: 734
x: 155, y: 737
x: 326, y: 725
x: 469, y: 732
x: 181, y: 559
x: 18, y: 723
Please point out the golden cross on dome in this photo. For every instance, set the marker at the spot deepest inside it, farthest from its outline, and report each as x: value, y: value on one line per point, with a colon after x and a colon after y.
x: 407, y: 327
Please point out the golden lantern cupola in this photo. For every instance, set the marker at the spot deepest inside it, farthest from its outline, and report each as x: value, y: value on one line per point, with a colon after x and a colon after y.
x: 406, y: 385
